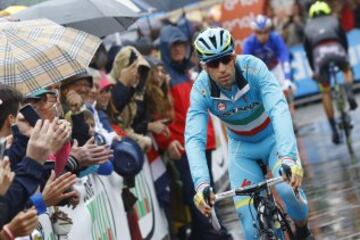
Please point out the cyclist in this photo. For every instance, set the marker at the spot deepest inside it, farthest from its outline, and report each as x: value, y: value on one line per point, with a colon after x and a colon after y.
x: 325, y: 42
x: 270, y: 47
x: 248, y: 99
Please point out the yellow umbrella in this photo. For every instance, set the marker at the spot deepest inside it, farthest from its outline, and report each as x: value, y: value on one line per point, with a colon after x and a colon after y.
x: 11, y: 10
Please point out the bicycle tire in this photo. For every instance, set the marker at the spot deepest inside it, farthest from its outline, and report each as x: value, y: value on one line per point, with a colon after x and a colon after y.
x: 281, y: 232
x: 347, y: 133
x: 345, y: 127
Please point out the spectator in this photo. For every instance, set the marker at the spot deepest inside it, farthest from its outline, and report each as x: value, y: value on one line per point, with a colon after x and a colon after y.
x: 76, y: 95
x: 161, y: 114
x: 293, y: 30
x: 46, y: 102
x: 347, y: 16
x: 106, y: 167
x: 175, y: 53
x: 129, y: 73
x: 159, y: 100
x: 28, y: 172
x: 103, y: 100
x: 27, y: 163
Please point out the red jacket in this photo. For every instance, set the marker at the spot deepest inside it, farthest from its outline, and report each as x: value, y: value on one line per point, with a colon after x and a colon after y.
x: 181, y: 96
x: 181, y: 99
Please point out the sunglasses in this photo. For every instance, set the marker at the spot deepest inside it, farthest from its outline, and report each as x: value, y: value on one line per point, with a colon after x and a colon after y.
x: 224, y: 60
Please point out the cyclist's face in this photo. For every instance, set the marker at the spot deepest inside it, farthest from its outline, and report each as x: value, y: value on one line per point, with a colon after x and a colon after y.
x: 222, y: 70
x: 262, y: 36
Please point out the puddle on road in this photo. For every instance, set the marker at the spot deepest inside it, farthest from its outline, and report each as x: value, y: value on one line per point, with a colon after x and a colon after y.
x: 332, y: 188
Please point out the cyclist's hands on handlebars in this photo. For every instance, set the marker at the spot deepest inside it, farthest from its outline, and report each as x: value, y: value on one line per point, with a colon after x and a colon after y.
x: 292, y: 172
x: 204, y: 199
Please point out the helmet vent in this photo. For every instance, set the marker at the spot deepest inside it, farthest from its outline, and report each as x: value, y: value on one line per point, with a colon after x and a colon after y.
x: 221, y: 37
x: 203, y: 41
x: 213, y: 41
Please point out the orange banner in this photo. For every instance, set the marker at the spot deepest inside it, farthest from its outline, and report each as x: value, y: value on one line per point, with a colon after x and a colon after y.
x: 236, y: 16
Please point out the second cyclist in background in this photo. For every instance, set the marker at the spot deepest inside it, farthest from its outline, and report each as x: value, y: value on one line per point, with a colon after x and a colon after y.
x: 326, y: 42
x: 270, y: 47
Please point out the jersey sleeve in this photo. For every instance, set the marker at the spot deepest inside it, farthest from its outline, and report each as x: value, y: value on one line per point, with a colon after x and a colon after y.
x: 196, y: 137
x: 277, y: 109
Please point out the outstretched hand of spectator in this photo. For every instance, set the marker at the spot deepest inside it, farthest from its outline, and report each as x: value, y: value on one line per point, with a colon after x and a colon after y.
x: 38, y: 147
x: 159, y: 127
x: 23, y: 223
x: 6, y: 175
x: 90, y: 153
x: 175, y: 150
x: 54, y: 190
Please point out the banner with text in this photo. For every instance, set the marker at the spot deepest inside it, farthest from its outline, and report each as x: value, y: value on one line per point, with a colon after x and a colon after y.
x: 236, y: 16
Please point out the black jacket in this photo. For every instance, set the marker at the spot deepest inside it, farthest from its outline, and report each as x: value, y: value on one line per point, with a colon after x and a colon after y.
x: 321, y: 29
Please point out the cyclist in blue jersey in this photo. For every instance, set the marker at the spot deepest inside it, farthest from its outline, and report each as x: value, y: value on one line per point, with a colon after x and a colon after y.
x: 270, y: 47
x: 240, y: 90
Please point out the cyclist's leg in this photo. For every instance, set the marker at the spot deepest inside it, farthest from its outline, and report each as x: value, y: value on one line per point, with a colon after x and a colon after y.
x: 244, y: 170
x: 348, y: 76
x: 340, y: 57
x: 325, y: 89
x: 321, y: 59
x: 297, y: 209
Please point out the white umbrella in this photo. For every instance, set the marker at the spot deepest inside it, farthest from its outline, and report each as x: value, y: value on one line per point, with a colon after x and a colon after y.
x: 98, y: 17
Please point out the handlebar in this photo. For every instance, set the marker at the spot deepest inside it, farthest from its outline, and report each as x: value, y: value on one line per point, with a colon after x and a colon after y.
x: 248, y: 190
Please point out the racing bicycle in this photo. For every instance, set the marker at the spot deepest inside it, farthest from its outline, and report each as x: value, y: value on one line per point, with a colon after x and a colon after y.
x: 270, y: 220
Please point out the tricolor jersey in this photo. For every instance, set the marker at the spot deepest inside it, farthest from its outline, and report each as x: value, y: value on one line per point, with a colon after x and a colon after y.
x: 252, y: 110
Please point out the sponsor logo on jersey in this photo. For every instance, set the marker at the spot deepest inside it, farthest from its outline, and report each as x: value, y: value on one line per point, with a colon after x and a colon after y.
x: 221, y: 106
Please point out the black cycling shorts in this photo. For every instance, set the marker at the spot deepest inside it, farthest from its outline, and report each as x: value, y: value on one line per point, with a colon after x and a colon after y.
x: 326, y: 53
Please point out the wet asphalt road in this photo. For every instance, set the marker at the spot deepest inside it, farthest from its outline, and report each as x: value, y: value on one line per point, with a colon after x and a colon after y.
x: 331, y: 181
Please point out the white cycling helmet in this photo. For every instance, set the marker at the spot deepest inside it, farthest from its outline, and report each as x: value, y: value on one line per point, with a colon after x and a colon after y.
x: 261, y: 23
x: 213, y: 43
